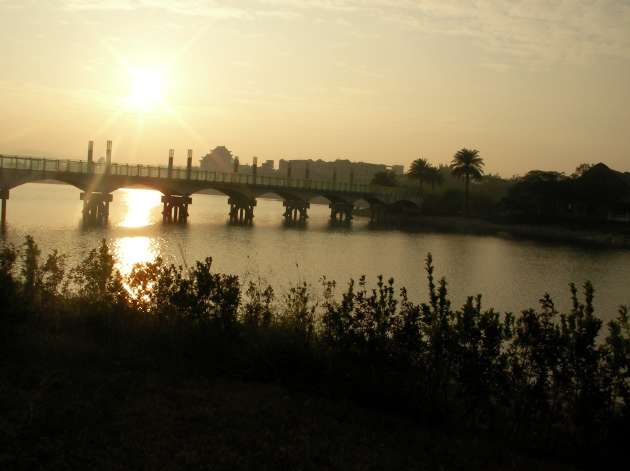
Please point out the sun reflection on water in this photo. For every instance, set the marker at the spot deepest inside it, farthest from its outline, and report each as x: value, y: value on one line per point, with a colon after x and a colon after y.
x: 133, y: 250
x: 140, y: 204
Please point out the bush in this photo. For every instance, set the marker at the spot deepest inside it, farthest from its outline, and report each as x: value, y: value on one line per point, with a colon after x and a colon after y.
x: 548, y: 378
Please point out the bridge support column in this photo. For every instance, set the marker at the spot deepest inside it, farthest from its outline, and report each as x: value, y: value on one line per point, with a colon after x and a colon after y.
x: 378, y: 214
x: 4, y: 196
x: 241, y: 211
x: 341, y: 212
x: 96, y: 207
x: 175, y: 209
x: 295, y: 211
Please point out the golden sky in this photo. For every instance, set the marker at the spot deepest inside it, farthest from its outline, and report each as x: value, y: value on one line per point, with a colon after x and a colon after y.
x: 532, y: 84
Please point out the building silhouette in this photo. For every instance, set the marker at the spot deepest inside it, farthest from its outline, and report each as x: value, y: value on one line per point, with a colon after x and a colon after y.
x: 340, y: 170
x: 221, y: 159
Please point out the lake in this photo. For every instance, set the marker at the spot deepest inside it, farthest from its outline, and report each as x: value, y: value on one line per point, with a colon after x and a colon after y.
x: 511, y: 274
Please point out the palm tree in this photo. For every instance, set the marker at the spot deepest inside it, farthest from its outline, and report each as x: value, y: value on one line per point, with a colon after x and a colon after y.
x: 467, y: 164
x: 435, y: 177
x: 420, y: 169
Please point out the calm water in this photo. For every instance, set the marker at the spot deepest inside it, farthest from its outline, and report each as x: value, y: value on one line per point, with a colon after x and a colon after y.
x: 510, y: 274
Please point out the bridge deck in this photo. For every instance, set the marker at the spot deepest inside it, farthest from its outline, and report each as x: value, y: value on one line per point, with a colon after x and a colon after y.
x: 99, y: 179
x: 194, y: 174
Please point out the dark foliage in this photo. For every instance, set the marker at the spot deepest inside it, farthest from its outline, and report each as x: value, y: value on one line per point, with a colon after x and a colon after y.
x: 591, y: 194
x: 540, y: 193
x: 385, y: 178
x: 549, y: 381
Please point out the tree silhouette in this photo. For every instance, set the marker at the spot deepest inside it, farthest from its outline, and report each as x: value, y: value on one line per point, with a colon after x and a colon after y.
x: 539, y: 193
x: 385, y: 178
x: 468, y: 165
x: 420, y: 170
x: 581, y: 170
x: 435, y: 177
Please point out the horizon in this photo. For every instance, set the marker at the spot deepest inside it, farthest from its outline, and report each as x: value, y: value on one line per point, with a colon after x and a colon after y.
x: 531, y: 86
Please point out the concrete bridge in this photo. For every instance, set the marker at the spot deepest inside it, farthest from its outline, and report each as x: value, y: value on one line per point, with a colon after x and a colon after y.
x: 97, y: 181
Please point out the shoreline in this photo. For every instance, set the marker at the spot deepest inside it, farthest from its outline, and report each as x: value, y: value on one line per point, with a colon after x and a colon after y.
x: 543, y: 232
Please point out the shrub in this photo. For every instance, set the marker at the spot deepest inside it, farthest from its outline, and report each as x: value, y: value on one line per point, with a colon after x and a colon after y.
x: 257, y: 310
x: 548, y: 377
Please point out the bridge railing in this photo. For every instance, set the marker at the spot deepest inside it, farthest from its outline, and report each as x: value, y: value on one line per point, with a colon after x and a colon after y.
x: 33, y: 164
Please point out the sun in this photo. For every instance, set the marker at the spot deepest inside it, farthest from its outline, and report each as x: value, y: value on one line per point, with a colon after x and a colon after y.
x: 146, y: 91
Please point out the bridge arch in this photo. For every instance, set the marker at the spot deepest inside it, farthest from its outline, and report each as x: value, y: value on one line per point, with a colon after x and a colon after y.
x: 11, y: 183
x: 362, y: 203
x: 405, y: 204
x: 140, y: 186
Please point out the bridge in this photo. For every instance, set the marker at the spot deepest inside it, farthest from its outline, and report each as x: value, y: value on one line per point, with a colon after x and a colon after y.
x: 98, y: 180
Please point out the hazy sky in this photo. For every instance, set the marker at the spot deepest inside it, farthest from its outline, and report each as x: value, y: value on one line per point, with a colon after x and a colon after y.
x: 531, y: 84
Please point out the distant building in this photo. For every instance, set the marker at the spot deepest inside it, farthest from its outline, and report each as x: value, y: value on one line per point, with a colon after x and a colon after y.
x: 219, y: 159
x: 398, y: 170
x: 363, y: 172
x: 267, y: 168
x: 341, y: 170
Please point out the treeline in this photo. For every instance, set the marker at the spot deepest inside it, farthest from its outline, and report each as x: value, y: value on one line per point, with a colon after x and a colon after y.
x: 444, y: 194
x: 447, y: 190
x: 592, y: 194
x: 556, y: 383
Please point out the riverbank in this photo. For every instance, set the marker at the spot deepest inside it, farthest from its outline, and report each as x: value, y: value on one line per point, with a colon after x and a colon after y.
x: 616, y: 238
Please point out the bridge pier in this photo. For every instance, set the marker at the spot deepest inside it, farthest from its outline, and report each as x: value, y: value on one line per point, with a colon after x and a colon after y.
x: 241, y: 210
x: 175, y: 210
x: 341, y: 212
x: 378, y: 214
x: 4, y: 195
x: 295, y: 211
x: 96, y: 207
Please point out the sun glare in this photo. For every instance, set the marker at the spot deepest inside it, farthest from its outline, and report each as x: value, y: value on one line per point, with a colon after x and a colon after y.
x: 146, y: 91
x: 141, y: 204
